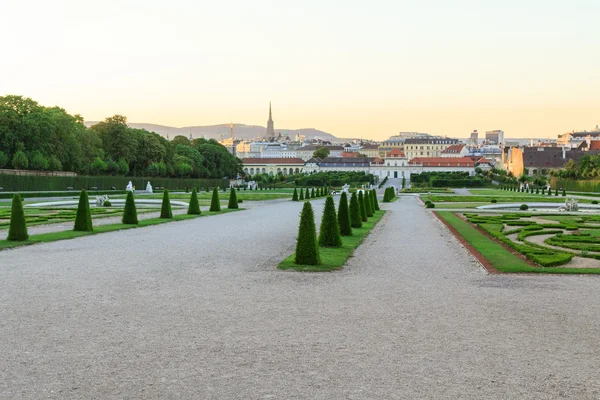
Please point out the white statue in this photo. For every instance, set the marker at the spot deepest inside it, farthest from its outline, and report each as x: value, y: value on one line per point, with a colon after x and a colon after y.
x: 149, y: 187
x: 346, y: 188
x: 100, y: 200
x: 129, y: 187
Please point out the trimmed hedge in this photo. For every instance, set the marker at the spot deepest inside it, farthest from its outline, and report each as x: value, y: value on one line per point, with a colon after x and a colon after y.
x: 355, y: 218
x: 194, y: 206
x: 295, y: 195
x: 215, y: 203
x: 307, y: 251
x: 344, y: 216
x: 83, y: 220
x: 363, y: 208
x: 17, y: 230
x: 165, y: 209
x: 130, y: 212
x: 329, y: 233
x: 233, y: 202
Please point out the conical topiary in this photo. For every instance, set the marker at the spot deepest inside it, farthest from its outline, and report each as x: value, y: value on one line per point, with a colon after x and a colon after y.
x: 362, y: 207
x: 329, y: 234
x: 233, y: 203
x: 17, y: 229
x: 307, y: 251
x: 130, y: 212
x: 375, y: 201
x: 312, y: 193
x: 165, y: 210
x: 307, y: 196
x: 564, y: 192
x: 368, y: 203
x: 194, y: 207
x: 83, y: 220
x: 556, y: 192
x: 215, y: 204
x: 295, y: 195
x: 344, y: 216
x: 355, y: 219
x: 301, y: 194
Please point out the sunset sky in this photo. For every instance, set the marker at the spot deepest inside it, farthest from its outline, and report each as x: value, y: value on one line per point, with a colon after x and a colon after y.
x: 351, y: 68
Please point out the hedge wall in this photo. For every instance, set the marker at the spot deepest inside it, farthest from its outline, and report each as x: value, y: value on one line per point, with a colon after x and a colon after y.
x: 576, y: 185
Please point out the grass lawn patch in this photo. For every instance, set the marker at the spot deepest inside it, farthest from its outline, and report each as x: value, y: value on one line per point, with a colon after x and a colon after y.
x: 334, y: 258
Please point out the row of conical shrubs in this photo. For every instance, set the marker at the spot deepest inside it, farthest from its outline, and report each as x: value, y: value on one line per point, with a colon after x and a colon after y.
x: 310, y: 193
x: 389, y: 194
x: 333, y: 226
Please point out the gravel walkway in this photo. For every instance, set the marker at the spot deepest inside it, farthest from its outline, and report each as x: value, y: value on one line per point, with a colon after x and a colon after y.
x: 196, y: 310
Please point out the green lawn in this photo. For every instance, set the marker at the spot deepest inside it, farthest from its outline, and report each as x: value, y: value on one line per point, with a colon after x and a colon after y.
x: 334, y: 259
x: 460, y: 205
x: 245, y: 195
x: 501, y: 199
x: 498, y: 192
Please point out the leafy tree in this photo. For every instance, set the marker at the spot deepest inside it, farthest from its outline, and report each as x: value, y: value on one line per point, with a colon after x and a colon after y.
x: 329, y: 235
x: 362, y: 206
x: 3, y: 159
x: 38, y: 161
x: 194, y: 206
x: 215, y: 204
x: 83, y: 220
x: 295, y: 195
x: 165, y: 210
x: 321, y: 152
x: 130, y: 211
x: 233, y: 203
x: 355, y: 218
x: 17, y: 230
x: 307, y: 251
x: 344, y: 216
x: 54, y: 164
x: 122, y: 167
x: 20, y: 160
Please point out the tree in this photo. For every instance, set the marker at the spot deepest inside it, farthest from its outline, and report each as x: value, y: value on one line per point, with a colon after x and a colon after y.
x: 307, y: 196
x: 363, y: 207
x: 38, y: 161
x: 194, y: 207
x: 321, y: 152
x: 301, y: 194
x: 355, y: 218
x: 344, y: 216
x: 215, y: 204
x: 54, y: 164
x: 130, y: 212
x: 329, y: 235
x: 368, y: 203
x: 165, y: 210
x: 20, y: 160
x: 17, y: 230
x: 403, y: 182
x: 375, y: 201
x: 3, y: 159
x: 312, y: 193
x: 83, y: 220
x: 307, y: 251
x: 233, y: 203
x: 295, y: 195
x: 564, y: 192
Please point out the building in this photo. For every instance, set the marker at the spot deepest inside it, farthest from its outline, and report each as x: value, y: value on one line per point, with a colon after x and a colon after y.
x: 574, y: 139
x: 270, y: 133
x: 430, y: 147
x: 306, y: 152
x: 273, y: 166
x: 474, y: 139
x: 494, y: 137
x: 456, y: 150
x: 369, y: 150
x: 540, y: 160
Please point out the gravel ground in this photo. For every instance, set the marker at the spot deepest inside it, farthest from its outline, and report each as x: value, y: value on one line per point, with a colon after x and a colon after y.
x: 197, y: 310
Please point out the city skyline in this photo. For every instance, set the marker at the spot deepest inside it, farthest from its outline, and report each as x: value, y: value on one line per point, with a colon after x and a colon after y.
x: 358, y: 71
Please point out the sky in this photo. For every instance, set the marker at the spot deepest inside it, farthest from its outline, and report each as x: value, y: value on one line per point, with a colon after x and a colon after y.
x: 365, y: 69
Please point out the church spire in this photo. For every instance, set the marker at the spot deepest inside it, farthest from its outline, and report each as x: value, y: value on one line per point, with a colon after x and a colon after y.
x: 270, y: 134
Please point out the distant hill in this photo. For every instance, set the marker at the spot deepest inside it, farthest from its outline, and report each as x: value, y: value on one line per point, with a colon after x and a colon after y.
x: 218, y: 132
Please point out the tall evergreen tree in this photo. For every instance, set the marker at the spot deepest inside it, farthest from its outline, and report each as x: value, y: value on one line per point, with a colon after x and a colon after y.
x: 130, y: 212
x: 301, y: 194
x: 295, y: 195
x: 375, y: 200
x: 368, y: 203
x: 355, y: 218
x: 362, y: 207
x: 17, y: 230
x: 83, y: 220
x: 165, y: 210
x: 344, y: 216
x: 233, y: 203
x: 215, y: 203
x: 312, y: 193
x: 307, y: 250
x: 307, y: 196
x: 329, y: 233
x: 194, y: 207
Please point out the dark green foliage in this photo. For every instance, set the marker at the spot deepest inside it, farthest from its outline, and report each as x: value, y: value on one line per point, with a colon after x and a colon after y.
x: 165, y: 210
x: 375, y: 201
x: 494, y: 201
x: 207, y: 190
x: 556, y: 192
x: 537, y: 191
x: 312, y: 193
x: 301, y: 194
x: 363, y: 207
x: 524, y: 207
x: 187, y: 190
x: 233, y: 202
x: 355, y: 218
x: 130, y: 212
x: 386, y: 195
x: 194, y: 207
x: 107, y: 203
x: 369, y: 203
x: 594, y: 201
x: 307, y: 251
x: 344, y: 216
x: 215, y: 204
x: 329, y: 235
x: 307, y: 196
x: 17, y: 230
x: 550, y: 192
x: 295, y: 195
x: 83, y: 220
x: 564, y: 192
x: 430, y: 205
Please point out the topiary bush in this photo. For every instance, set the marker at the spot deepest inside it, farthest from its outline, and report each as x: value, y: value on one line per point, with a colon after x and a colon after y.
x: 329, y: 233
x: 165, y: 209
x: 594, y: 201
x: 194, y: 206
x: 307, y: 250
x: 375, y: 201
x: 233, y: 202
x: 363, y: 207
x: 556, y: 192
x: 494, y: 201
x: 368, y: 203
x: 564, y: 192
x: 430, y: 205
x: 312, y: 193
x: 295, y: 195
x: 83, y: 220
x: 344, y: 216
x: 107, y: 203
x: 524, y: 207
x: 355, y: 218
x: 307, y: 196
x: 301, y: 194
x: 17, y: 230
x: 215, y: 204
x: 130, y: 212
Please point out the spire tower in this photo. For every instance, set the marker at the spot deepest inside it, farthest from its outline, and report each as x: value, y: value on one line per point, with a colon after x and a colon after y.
x: 270, y: 134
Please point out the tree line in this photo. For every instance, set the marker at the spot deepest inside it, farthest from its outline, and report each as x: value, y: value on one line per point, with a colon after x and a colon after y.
x: 37, y: 137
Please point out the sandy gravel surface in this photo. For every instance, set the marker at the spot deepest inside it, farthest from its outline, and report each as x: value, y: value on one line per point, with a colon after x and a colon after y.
x: 197, y: 310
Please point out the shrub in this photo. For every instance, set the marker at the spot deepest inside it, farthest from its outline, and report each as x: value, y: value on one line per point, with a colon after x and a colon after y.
x: 494, y: 201
x: 594, y: 201
x: 564, y: 192
x: 537, y: 191
x: 165, y: 210
x: 344, y: 216
x: 329, y: 234
x: 20, y: 161
x: 83, y: 220
x: 524, y: 207
x: 187, y: 190
x: 215, y: 204
x: 430, y: 205
x: 556, y: 192
x: 375, y: 201
x: 107, y: 203
x: 194, y: 207
x: 130, y: 212
x: 17, y: 230
x: 363, y: 207
x: 368, y: 203
x: 550, y: 192
x: 295, y: 195
x: 301, y: 194
x: 355, y: 218
x: 233, y: 203
x: 386, y: 195
x: 240, y: 201
x: 307, y: 196
x: 307, y: 251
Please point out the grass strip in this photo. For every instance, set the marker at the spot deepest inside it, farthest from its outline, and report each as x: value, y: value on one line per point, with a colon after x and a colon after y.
x: 70, y: 234
x: 334, y: 258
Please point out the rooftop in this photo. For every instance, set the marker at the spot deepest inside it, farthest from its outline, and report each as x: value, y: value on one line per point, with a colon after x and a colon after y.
x: 272, y: 160
x: 443, y: 162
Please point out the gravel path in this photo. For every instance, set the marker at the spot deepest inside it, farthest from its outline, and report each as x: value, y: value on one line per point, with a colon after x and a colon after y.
x: 196, y: 310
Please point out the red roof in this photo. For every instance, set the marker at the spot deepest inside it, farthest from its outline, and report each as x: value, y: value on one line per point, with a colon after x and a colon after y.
x: 395, y: 153
x: 594, y: 145
x: 377, y: 160
x: 443, y: 161
x: 455, y: 148
x: 272, y: 160
x: 350, y: 154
